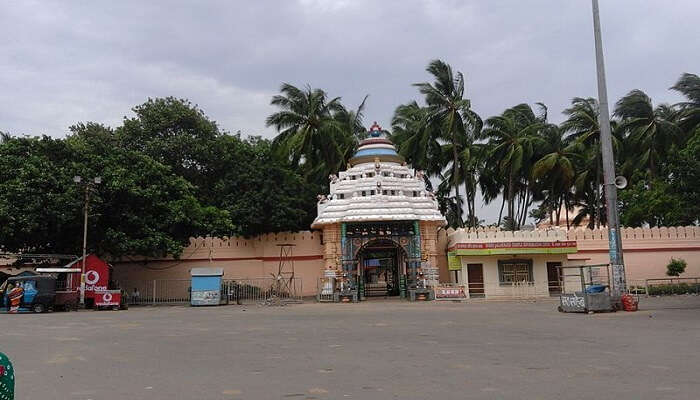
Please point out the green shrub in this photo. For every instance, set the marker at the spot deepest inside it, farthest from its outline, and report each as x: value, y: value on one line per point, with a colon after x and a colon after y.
x: 674, y: 288
x: 676, y: 267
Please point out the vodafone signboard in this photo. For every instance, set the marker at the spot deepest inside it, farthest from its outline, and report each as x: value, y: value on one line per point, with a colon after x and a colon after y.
x: 107, y: 298
x: 96, y: 276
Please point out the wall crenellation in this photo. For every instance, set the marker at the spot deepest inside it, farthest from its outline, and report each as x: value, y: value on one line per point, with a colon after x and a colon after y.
x: 236, y: 241
x: 631, y: 234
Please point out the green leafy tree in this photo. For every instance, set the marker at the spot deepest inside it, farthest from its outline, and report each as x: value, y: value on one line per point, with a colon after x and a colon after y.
x: 175, y: 133
x: 40, y: 207
x: 676, y: 267
x: 671, y: 200
x: 141, y: 207
x: 259, y: 191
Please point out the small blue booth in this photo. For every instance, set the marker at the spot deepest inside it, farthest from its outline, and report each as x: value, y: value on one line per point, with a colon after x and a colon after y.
x: 206, y: 286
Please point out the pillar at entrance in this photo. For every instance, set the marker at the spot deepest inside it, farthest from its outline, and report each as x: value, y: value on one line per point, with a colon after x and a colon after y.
x: 429, y: 238
x: 331, y: 246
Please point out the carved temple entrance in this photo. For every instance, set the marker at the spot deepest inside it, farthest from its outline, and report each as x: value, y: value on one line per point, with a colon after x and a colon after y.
x: 381, y: 269
x: 381, y: 258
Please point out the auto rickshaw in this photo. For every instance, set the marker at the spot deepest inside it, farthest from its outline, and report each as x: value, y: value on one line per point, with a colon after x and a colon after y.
x: 27, y: 294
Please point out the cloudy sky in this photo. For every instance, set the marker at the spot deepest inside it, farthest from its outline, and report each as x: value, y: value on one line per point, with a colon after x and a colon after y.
x: 67, y: 61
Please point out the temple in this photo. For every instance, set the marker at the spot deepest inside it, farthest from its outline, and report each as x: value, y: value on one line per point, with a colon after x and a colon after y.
x: 379, y: 226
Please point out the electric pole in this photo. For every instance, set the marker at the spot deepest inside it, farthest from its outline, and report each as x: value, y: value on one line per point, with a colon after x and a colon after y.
x: 614, y: 242
x: 88, y: 186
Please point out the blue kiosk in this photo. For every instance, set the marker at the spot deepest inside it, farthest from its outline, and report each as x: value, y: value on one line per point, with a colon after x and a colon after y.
x: 206, y: 286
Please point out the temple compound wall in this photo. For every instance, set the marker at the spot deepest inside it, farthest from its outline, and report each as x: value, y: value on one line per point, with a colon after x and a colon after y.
x: 647, y: 252
x: 240, y: 258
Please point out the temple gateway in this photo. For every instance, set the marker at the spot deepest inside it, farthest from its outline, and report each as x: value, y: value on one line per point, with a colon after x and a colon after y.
x: 379, y: 226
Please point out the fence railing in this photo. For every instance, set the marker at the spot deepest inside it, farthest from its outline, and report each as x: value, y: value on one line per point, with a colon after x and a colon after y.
x: 156, y: 291
x: 325, y: 289
x: 233, y: 291
x: 261, y: 290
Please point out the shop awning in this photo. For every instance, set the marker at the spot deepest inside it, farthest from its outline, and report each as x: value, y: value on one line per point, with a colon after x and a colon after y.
x: 506, y: 248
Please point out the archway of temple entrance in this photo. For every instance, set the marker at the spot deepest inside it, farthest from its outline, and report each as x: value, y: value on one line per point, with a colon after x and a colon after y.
x: 380, y: 268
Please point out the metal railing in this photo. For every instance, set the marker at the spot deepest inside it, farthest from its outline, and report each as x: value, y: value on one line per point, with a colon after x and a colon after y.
x: 233, y: 291
x: 261, y: 290
x: 156, y: 291
x: 325, y: 289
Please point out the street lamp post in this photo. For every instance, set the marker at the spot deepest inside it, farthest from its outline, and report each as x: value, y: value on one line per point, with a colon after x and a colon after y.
x: 88, y: 186
x: 614, y: 242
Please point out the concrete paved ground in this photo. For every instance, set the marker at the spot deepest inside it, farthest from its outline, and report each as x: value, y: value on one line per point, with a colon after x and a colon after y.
x: 374, y: 350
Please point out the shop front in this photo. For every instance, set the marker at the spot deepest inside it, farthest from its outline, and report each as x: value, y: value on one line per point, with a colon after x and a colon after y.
x: 510, y: 265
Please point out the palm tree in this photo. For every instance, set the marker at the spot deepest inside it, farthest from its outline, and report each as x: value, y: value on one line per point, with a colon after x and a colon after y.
x: 308, y: 132
x: 583, y: 126
x: 689, y: 86
x: 492, y: 182
x: 447, y: 204
x: 513, y: 137
x: 556, y: 170
x: 650, y: 131
x: 587, y: 203
x: 353, y: 131
x: 450, y: 113
x: 416, y: 139
x: 469, y: 164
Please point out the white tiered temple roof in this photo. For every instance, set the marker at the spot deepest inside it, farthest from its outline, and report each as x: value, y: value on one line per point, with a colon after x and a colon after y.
x: 377, y: 187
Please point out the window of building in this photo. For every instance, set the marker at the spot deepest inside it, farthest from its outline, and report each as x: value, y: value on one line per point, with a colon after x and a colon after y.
x: 371, y: 192
x: 386, y: 173
x: 364, y: 193
x: 393, y: 192
x: 384, y: 192
x: 415, y: 193
x: 514, y: 271
x: 353, y: 177
x: 370, y: 174
x: 341, y: 196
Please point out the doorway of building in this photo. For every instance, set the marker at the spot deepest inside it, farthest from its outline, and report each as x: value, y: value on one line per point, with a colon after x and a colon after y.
x: 554, y: 278
x: 475, y: 280
x: 380, y: 269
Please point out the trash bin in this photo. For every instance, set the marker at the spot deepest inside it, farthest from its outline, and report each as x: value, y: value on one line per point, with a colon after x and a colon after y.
x: 206, y: 286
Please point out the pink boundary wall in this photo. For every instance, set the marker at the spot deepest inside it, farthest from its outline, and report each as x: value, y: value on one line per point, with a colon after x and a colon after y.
x: 256, y: 257
x: 647, y: 251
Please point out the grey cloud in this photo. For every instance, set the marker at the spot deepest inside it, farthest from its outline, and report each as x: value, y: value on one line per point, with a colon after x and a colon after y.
x: 64, y: 62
